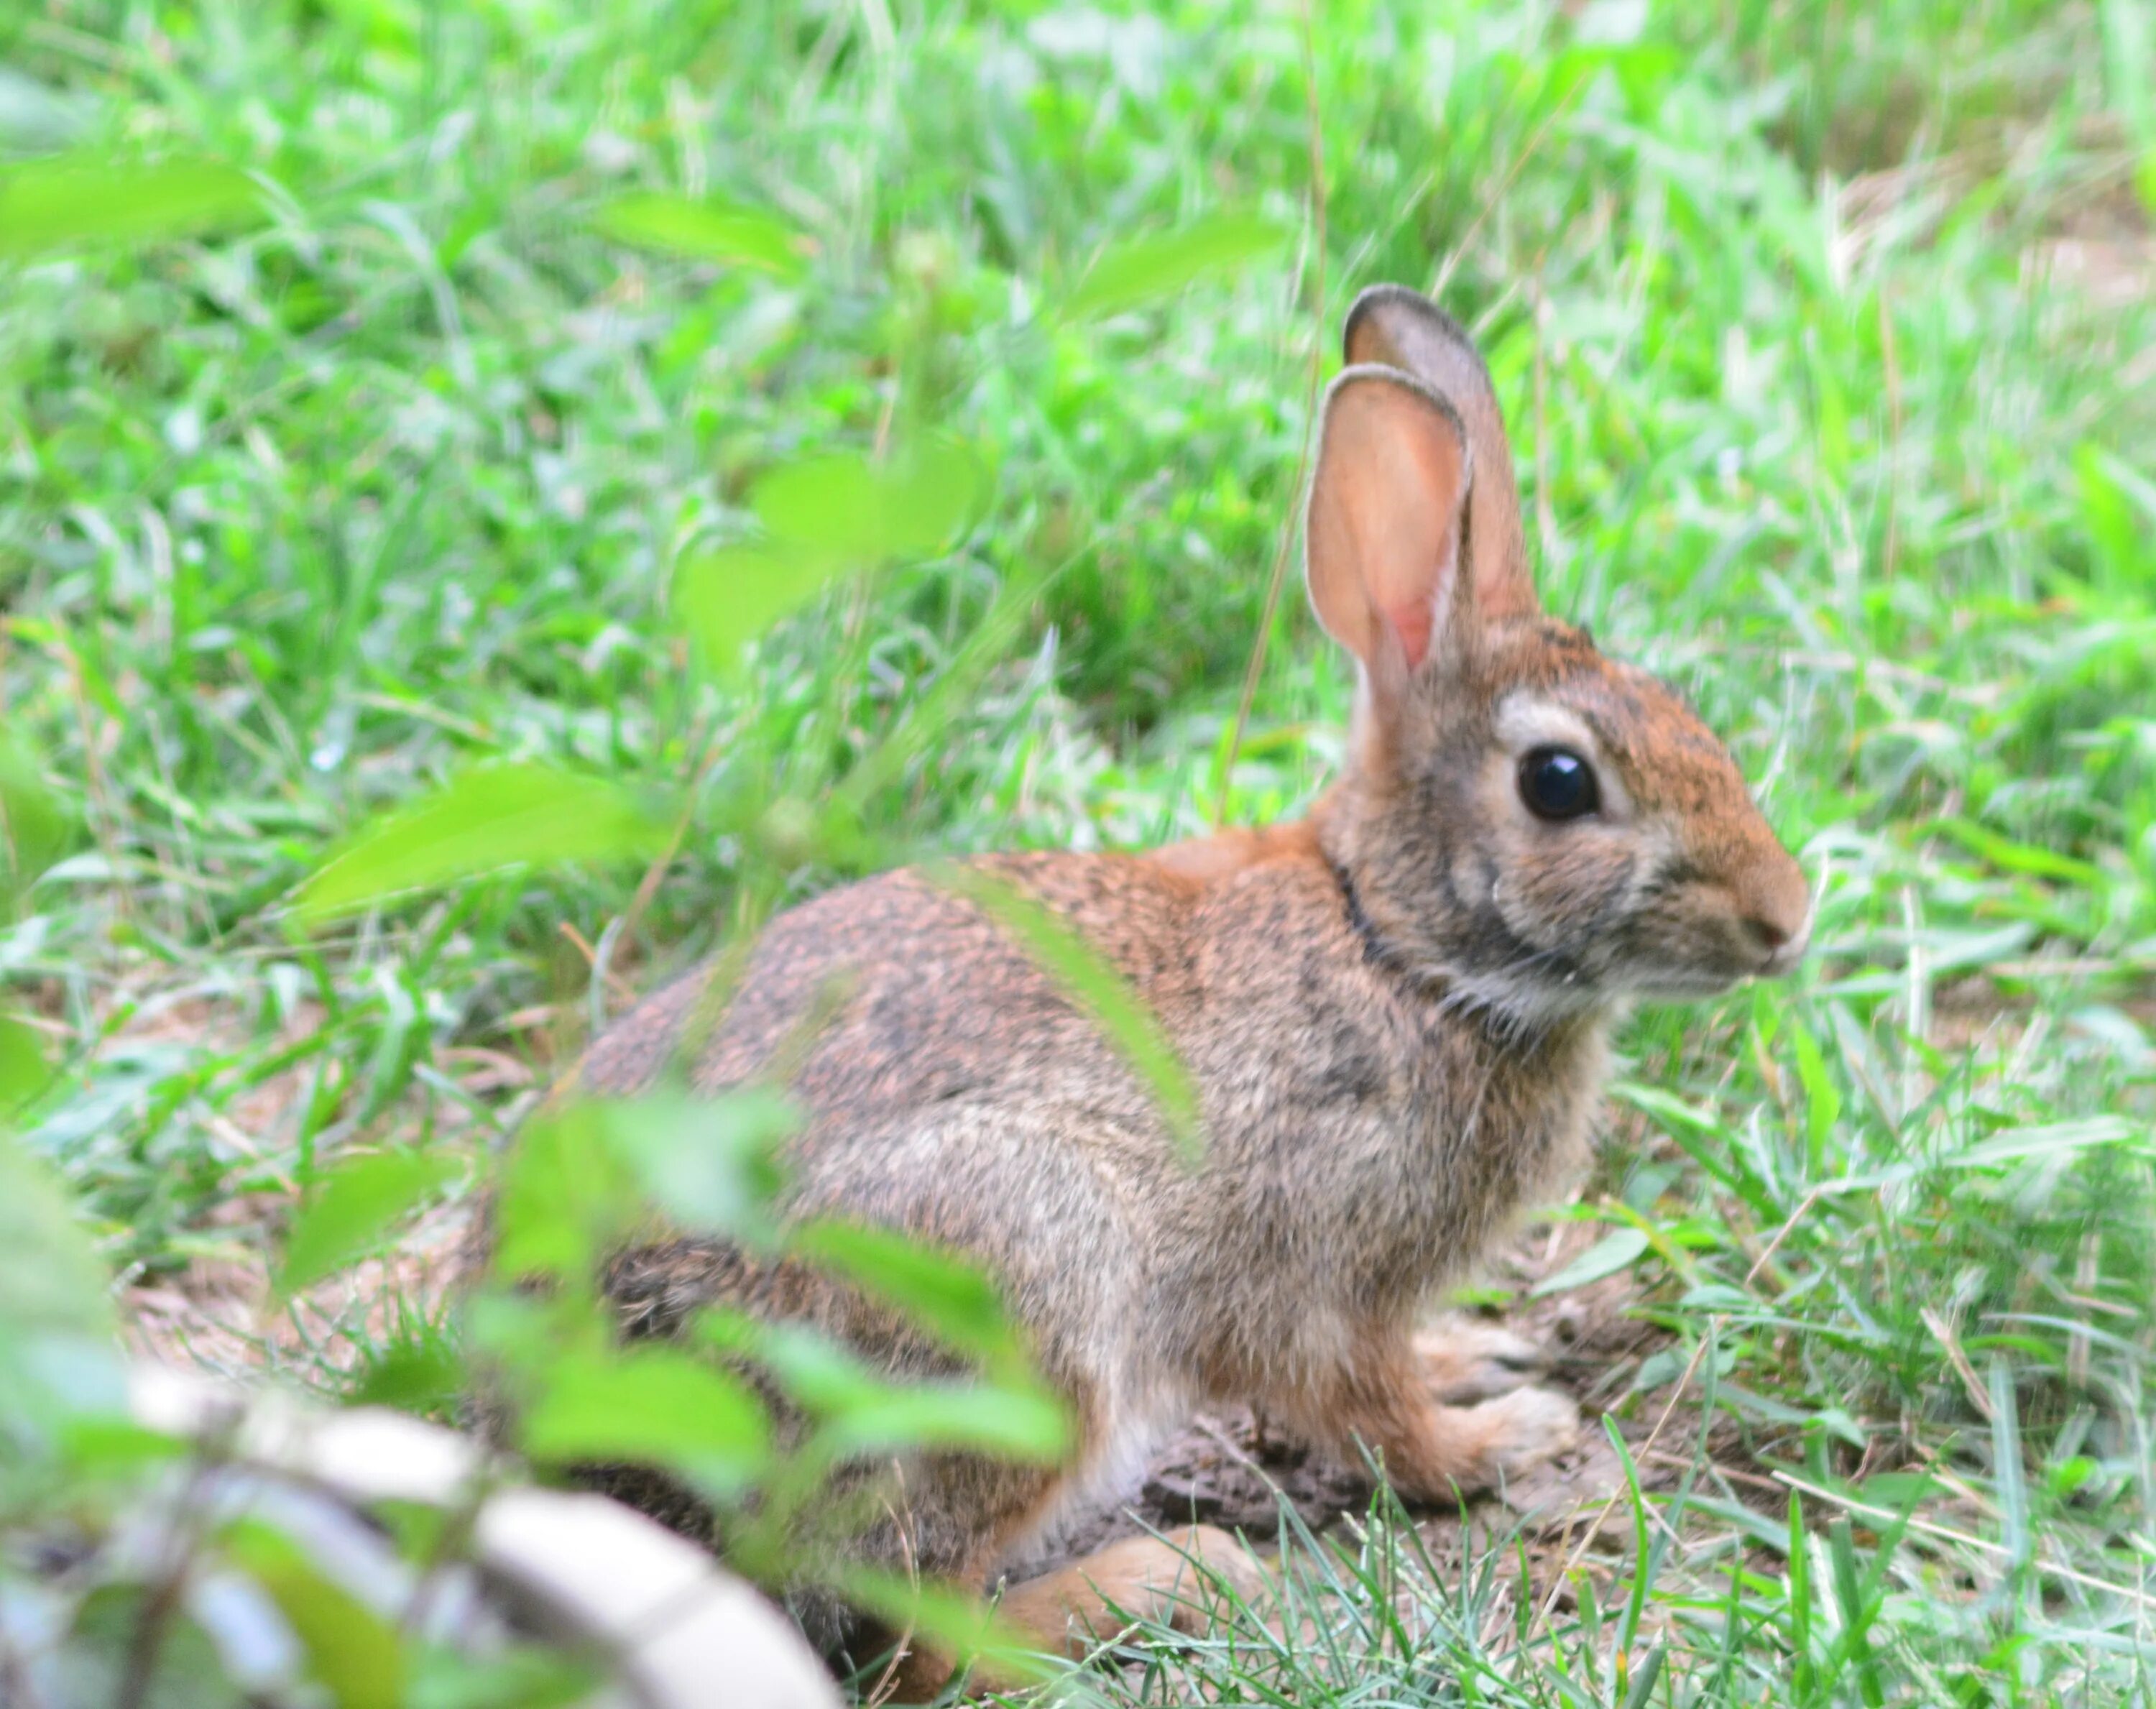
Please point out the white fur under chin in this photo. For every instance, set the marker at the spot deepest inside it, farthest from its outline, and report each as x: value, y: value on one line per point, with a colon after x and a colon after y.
x: 1523, y: 1006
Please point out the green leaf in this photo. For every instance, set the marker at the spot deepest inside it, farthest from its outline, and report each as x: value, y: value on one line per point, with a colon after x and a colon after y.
x: 650, y: 1405
x: 2028, y: 858
x: 351, y: 1650
x: 76, y: 201
x: 709, y: 230
x: 710, y: 1164
x: 1612, y: 1252
x: 58, y: 1342
x: 1144, y: 269
x: 489, y: 818
x: 1092, y: 982
x: 566, y: 1195
x: 1012, y: 1423
x: 825, y: 517
x: 863, y: 1413
x: 954, y: 1622
x: 941, y: 1291
x: 1822, y: 1097
x: 864, y: 512
x: 352, y: 1209
x: 412, y: 1377
x: 23, y: 1071
x: 1640, y: 1693
x: 32, y: 828
x: 727, y: 598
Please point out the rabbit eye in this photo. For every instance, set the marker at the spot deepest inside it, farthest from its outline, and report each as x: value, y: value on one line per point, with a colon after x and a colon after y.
x: 1556, y: 783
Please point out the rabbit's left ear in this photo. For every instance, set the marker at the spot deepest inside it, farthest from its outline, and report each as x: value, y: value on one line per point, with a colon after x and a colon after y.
x: 1395, y: 327
x: 1381, y: 537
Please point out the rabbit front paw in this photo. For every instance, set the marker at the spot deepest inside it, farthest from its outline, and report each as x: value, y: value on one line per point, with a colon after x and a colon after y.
x: 1525, y: 1427
x: 1464, y: 1362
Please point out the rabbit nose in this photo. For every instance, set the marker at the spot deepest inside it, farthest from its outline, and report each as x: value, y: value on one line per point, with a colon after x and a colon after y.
x: 1775, y: 917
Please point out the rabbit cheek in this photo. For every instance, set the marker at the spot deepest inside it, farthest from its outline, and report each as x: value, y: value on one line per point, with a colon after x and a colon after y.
x: 1562, y: 892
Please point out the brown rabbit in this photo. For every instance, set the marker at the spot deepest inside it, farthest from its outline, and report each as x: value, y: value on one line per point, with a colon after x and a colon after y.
x: 1395, y: 1012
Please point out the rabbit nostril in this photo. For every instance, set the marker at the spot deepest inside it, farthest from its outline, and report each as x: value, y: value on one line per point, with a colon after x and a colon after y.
x: 1770, y: 936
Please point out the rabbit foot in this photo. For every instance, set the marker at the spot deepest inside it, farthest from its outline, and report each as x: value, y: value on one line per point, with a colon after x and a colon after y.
x: 1454, y: 1451
x: 1464, y: 1362
x: 1180, y: 1579
x: 1526, y: 1427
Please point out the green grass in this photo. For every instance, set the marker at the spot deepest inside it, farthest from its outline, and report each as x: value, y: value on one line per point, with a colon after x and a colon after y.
x: 1826, y: 332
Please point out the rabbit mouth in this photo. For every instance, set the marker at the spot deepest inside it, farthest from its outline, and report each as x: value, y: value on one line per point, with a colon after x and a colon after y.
x: 1688, y: 984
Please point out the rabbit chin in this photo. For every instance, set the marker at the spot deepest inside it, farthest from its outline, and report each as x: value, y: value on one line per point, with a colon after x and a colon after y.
x: 1525, y: 1001
x: 1680, y: 983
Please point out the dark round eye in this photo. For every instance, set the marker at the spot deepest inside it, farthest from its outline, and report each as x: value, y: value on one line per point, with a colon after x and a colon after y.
x: 1556, y: 783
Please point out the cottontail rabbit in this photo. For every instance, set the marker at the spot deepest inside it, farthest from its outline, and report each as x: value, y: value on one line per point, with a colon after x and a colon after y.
x: 1393, y: 1011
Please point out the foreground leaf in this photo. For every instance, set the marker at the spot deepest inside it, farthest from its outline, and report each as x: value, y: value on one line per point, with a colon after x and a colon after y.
x: 1127, y: 275
x: 705, y: 231
x: 941, y: 1291
x: 77, y: 202
x: 351, y: 1211
x: 58, y: 1342
x: 496, y: 816
x: 1091, y: 981
x: 865, y: 512
x: 727, y: 597
x: 654, y: 1405
x: 1612, y: 1252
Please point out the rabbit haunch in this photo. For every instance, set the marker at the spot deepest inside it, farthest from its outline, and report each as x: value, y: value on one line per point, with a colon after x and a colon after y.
x: 1393, y: 1012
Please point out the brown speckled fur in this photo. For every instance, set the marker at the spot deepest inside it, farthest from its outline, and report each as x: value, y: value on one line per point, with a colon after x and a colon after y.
x: 1395, y: 1012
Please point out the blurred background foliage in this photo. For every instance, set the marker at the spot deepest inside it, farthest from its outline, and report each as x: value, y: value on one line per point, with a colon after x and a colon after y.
x: 496, y: 499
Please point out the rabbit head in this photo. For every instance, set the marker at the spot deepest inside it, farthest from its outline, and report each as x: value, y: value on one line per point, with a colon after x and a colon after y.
x: 1541, y: 831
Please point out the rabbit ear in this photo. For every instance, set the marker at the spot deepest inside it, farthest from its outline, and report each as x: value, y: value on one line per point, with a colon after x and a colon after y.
x: 1399, y: 328
x: 1382, y: 538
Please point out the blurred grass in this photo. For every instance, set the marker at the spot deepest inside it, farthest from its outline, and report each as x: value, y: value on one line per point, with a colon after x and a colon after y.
x: 1826, y: 331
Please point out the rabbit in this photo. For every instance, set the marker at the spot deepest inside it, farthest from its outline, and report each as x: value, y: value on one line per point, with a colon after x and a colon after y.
x: 1394, y: 1012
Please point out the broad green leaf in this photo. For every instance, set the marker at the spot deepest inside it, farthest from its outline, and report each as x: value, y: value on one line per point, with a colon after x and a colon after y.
x: 22, y: 1067
x: 864, y: 513
x: 567, y: 1194
x: 952, y: 1621
x: 1612, y: 1252
x: 352, y: 1651
x: 726, y: 598
x: 1141, y: 270
x: 1092, y: 984
x: 489, y: 818
x: 1014, y: 1423
x: 352, y: 1209
x: 864, y: 1413
x: 825, y: 517
x: 49, y: 1274
x: 939, y: 1289
x: 58, y: 1341
x: 656, y: 1405
x: 709, y: 1165
x: 76, y: 201
x: 705, y: 231
x: 32, y: 828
